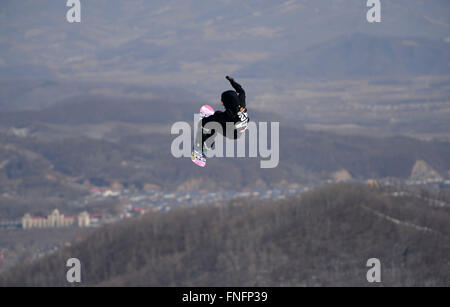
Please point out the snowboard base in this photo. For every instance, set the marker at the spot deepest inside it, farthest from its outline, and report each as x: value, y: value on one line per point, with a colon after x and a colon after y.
x: 196, y: 156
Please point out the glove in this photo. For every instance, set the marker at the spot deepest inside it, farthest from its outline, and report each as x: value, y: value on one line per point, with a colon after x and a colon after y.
x: 229, y: 78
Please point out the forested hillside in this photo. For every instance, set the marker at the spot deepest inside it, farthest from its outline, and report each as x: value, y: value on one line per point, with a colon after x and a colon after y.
x: 324, y: 237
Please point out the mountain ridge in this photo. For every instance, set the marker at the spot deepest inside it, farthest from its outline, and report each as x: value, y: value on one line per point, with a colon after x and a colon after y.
x: 358, y: 55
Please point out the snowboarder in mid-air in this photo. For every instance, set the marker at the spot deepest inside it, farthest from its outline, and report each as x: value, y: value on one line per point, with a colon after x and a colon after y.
x: 235, y: 113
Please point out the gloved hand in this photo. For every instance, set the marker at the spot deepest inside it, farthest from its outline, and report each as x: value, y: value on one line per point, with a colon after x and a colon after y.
x: 229, y: 78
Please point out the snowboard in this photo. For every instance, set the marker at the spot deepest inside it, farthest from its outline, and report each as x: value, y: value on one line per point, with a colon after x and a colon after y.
x: 197, y: 157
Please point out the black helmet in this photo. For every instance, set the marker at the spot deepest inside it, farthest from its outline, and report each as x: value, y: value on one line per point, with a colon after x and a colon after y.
x: 230, y: 100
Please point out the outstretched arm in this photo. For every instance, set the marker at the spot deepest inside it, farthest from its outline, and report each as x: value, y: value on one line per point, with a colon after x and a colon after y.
x: 238, y: 88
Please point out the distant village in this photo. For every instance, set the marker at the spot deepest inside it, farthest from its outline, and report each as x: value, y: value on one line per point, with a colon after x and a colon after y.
x: 134, y: 202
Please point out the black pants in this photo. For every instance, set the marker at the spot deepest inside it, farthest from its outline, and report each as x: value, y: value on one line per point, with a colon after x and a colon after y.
x: 207, y: 136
